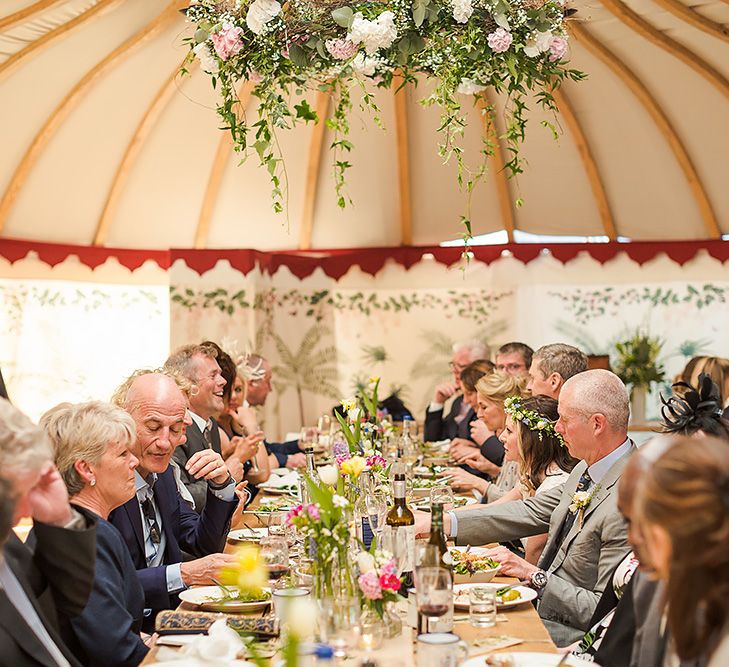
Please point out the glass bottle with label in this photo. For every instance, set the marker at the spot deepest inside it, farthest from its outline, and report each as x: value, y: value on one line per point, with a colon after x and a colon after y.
x: 435, y: 549
x: 361, y: 514
x: 311, y: 473
x: 399, y: 536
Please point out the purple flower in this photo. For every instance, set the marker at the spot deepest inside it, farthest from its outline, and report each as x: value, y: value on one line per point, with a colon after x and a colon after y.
x: 557, y: 49
x: 340, y: 449
x: 369, y: 584
x: 499, y: 40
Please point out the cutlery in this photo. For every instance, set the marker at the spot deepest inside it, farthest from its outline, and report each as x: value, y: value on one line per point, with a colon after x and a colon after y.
x: 503, y: 590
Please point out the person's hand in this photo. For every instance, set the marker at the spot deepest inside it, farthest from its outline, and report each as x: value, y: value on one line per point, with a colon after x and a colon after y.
x: 460, y: 448
x: 246, y: 448
x: 246, y: 419
x: 444, y: 391
x: 207, y: 465
x: 235, y: 468
x: 481, y: 463
x: 48, y: 499
x: 296, y: 460
x: 480, y: 433
x: 511, y: 564
x: 460, y: 480
x: 241, y: 491
x: 422, y: 523
x: 204, y: 571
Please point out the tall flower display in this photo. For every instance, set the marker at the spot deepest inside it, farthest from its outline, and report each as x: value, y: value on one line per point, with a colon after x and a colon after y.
x: 286, y: 49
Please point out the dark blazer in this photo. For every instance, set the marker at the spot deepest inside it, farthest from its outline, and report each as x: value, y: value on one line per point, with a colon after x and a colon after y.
x: 282, y: 450
x: 196, y: 534
x: 438, y: 427
x: 106, y: 634
x: 198, y: 488
x: 57, y: 578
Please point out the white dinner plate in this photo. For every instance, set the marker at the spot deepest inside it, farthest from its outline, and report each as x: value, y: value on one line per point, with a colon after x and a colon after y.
x: 210, y: 598
x: 196, y: 662
x: 247, y: 535
x: 526, y: 660
x: 278, y: 490
x: 424, y: 503
x: 460, y: 595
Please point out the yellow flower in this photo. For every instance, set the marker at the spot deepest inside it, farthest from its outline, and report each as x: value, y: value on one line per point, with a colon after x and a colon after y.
x: 249, y: 573
x: 353, y: 466
x: 349, y: 404
x: 374, y: 379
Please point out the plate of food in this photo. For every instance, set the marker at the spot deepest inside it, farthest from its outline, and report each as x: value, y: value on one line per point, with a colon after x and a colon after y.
x: 268, y: 506
x: 421, y: 487
x: 511, y: 597
x: 226, y: 599
x: 423, y: 504
x: 525, y: 659
x: 471, y: 566
x: 247, y: 535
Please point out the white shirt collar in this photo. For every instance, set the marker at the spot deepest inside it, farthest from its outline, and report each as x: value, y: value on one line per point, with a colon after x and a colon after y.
x: 199, y: 421
x: 144, y: 487
x: 600, y: 468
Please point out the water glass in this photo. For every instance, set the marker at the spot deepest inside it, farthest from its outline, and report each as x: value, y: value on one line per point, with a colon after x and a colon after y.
x: 482, y: 606
x: 339, y: 623
x: 443, y: 495
x: 281, y: 598
x: 440, y: 649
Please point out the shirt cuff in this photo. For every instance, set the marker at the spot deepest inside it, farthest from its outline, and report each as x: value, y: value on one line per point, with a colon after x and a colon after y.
x: 76, y: 522
x: 227, y: 493
x: 454, y: 524
x: 174, y: 578
x: 434, y: 407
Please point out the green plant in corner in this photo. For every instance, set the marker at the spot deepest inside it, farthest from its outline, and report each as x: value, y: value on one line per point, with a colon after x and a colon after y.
x: 636, y: 362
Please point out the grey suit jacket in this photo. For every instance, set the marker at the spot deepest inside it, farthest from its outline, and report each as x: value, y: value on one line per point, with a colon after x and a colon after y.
x: 198, y: 488
x: 586, y: 559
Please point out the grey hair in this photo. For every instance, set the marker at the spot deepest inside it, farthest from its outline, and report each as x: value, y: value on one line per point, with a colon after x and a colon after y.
x: 83, y: 431
x: 120, y: 395
x: 600, y: 392
x: 477, y: 349
x: 182, y: 360
x: 24, y: 447
x: 561, y: 358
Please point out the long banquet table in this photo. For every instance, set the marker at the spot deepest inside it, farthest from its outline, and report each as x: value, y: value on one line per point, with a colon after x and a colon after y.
x: 521, y: 622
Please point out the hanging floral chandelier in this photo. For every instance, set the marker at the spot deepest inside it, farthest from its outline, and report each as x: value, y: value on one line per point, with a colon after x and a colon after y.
x: 517, y: 47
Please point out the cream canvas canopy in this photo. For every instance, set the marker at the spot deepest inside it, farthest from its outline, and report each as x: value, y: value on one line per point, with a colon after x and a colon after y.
x: 105, y: 144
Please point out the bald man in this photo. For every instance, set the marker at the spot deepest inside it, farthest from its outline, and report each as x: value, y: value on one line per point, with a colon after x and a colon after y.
x: 157, y: 524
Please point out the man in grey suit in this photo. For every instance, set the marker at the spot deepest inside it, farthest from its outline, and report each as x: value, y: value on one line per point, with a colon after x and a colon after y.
x: 586, y: 541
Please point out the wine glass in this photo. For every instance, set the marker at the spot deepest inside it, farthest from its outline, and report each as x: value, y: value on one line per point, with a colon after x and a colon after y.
x: 308, y: 437
x: 376, y: 507
x: 442, y: 494
x: 278, y: 527
x: 324, y: 428
x: 275, y: 552
x: 433, y: 594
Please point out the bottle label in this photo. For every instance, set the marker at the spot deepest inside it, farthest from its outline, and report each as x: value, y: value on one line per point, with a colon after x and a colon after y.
x: 367, y: 534
x: 398, y: 488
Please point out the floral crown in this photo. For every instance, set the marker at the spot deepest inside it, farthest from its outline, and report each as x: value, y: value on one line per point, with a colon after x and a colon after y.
x: 531, y: 419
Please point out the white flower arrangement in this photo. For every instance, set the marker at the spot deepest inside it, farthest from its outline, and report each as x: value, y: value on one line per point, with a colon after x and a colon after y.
x: 580, y: 501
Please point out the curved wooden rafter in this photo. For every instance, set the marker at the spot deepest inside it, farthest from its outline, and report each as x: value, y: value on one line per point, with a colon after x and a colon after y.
x: 47, y: 39
x: 488, y: 129
x: 639, y: 25
x: 22, y: 15
x: 134, y: 147
x: 220, y: 162
x: 588, y: 162
x: 72, y: 98
x: 313, y: 168
x: 688, y: 15
x: 403, y: 161
x: 626, y: 75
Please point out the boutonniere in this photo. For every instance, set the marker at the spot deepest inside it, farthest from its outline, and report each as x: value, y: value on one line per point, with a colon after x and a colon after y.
x: 580, y: 502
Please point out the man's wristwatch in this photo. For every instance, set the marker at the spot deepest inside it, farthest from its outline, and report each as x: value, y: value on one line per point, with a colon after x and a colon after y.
x: 217, y: 487
x: 538, y: 580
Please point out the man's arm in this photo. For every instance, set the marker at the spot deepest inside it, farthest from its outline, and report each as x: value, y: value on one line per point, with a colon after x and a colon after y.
x: 205, y: 534
x: 198, y: 488
x: 510, y: 521
x: 433, y: 427
x: 154, y: 583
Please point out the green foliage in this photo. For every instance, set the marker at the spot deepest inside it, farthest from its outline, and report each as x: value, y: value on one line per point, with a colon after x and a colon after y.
x: 636, y: 362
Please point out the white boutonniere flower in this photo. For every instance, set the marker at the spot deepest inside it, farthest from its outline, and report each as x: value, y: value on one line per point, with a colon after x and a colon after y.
x: 580, y: 502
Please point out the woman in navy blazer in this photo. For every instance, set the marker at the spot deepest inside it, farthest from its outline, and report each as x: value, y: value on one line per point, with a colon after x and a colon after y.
x: 92, y: 451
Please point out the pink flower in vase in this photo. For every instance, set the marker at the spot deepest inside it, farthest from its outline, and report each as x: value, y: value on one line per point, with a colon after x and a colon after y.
x: 293, y: 513
x: 370, y: 585
x: 389, y: 568
x: 390, y: 582
x: 376, y: 460
x: 227, y: 41
x: 313, y: 511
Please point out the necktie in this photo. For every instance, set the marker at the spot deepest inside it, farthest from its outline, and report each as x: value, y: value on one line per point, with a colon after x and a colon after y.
x: 548, y: 557
x: 208, y: 435
x: 150, y: 516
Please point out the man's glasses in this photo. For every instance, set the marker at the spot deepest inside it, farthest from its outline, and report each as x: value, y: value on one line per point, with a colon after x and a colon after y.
x: 510, y: 367
x: 455, y: 367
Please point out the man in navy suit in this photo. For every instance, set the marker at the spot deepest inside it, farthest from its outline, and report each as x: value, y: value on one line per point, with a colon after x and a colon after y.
x: 158, y: 525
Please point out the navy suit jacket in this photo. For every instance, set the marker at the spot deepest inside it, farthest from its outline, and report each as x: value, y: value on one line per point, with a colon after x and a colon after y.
x: 196, y: 534
x: 282, y: 450
x: 438, y: 427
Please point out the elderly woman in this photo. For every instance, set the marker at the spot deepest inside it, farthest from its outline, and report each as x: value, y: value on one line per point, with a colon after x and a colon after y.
x: 92, y: 452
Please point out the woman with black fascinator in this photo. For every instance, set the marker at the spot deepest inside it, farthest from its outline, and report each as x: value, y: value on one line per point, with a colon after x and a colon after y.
x: 695, y: 411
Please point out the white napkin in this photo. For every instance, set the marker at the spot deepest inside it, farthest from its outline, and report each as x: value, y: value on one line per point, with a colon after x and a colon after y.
x: 221, y: 646
x: 277, y: 481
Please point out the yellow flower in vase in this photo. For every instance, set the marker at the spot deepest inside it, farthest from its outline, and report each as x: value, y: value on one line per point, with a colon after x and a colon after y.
x: 249, y: 573
x: 353, y: 466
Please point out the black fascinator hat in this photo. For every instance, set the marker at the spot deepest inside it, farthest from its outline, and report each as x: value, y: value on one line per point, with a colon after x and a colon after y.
x: 695, y: 409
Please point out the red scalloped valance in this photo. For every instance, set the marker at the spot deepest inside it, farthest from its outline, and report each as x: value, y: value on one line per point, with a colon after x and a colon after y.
x: 335, y: 263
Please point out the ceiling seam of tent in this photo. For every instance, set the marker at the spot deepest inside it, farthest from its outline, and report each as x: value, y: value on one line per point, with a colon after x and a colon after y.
x: 46, y: 40
x: 588, y: 162
x: 22, y: 15
x: 313, y: 168
x: 217, y: 171
x: 488, y: 127
x: 59, y: 114
x: 699, y: 21
x: 402, y: 140
x: 629, y: 78
x: 133, y: 149
x: 644, y: 28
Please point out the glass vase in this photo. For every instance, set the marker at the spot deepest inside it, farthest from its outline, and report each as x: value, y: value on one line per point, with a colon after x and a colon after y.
x: 391, y: 621
x: 371, y: 629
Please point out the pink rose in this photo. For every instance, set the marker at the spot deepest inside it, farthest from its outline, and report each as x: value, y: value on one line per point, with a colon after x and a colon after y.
x: 341, y: 49
x: 369, y: 584
x: 254, y: 77
x: 390, y: 582
x: 557, y: 49
x: 313, y: 512
x: 376, y: 460
x: 227, y: 41
x: 499, y: 40
x: 390, y: 567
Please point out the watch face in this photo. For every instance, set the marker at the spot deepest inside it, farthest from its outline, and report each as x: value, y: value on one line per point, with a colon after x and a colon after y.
x: 539, y: 579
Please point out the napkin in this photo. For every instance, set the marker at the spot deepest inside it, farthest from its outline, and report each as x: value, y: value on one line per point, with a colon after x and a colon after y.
x: 172, y: 622
x: 221, y: 646
x: 277, y: 481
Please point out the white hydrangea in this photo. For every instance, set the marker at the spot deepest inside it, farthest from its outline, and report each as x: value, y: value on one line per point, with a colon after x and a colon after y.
x: 469, y: 87
x: 538, y: 44
x: 377, y: 34
x: 364, y: 65
x: 260, y: 12
x: 462, y: 10
x: 207, y: 61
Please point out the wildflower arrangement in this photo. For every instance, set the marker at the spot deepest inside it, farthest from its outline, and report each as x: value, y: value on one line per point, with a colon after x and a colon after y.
x: 531, y: 419
x: 283, y: 50
x: 378, y: 581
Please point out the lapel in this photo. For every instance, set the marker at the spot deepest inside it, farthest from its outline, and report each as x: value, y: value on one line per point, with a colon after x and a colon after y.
x: 604, y: 491
x: 559, y: 515
x: 19, y: 630
x: 164, y: 501
x: 134, y: 514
